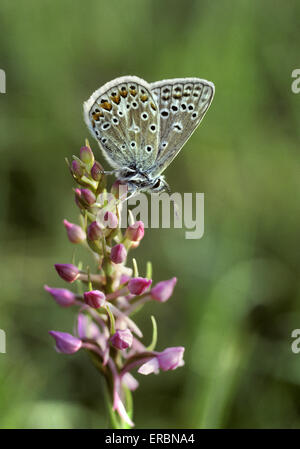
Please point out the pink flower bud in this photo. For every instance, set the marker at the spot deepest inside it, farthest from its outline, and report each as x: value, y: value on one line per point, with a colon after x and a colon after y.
x: 122, y: 339
x: 62, y: 296
x: 75, y: 233
x: 118, y: 253
x: 171, y: 358
x: 163, y: 290
x: 135, y: 232
x: 88, y: 197
x: 67, y: 272
x: 94, y: 298
x: 94, y: 232
x: 86, y: 155
x: 77, y: 169
x: 97, y: 171
x: 78, y: 199
x: 137, y: 286
x: 66, y: 343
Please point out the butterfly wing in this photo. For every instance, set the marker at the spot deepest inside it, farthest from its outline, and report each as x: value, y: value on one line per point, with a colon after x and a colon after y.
x: 123, y: 116
x: 182, y: 104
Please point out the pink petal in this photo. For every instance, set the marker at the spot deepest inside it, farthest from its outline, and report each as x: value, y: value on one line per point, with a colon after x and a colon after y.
x: 152, y: 366
x: 118, y: 405
x: 130, y: 382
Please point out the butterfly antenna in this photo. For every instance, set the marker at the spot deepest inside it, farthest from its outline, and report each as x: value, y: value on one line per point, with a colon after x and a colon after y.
x: 111, y: 172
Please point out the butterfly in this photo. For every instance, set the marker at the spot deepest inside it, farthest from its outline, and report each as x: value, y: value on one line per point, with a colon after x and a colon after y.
x: 141, y: 127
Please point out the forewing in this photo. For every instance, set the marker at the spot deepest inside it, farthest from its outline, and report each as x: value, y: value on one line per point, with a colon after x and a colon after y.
x: 182, y: 104
x: 123, y: 117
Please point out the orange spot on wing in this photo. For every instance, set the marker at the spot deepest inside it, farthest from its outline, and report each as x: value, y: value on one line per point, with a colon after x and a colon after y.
x: 106, y: 105
x: 153, y: 106
x: 133, y: 92
x: 124, y: 93
x: 144, y: 98
x: 96, y: 115
x: 116, y: 99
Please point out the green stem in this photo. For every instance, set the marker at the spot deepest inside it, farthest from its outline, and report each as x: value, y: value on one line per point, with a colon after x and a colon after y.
x: 114, y: 421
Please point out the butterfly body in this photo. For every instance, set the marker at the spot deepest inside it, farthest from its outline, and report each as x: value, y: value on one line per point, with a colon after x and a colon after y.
x: 141, y: 127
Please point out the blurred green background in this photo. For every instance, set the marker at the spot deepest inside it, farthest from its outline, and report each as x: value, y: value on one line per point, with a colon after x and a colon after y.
x: 237, y: 299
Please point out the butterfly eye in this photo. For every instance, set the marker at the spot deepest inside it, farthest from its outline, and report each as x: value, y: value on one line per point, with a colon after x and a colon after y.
x: 157, y: 184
